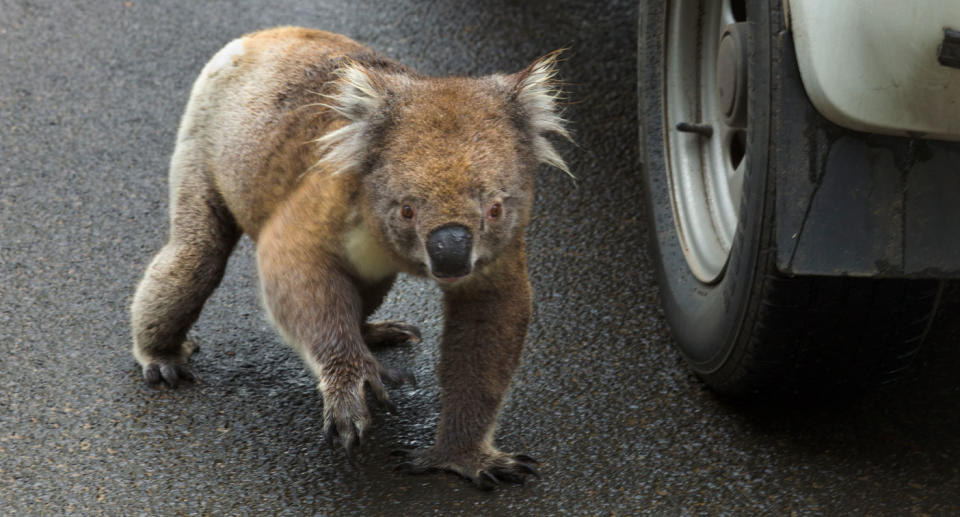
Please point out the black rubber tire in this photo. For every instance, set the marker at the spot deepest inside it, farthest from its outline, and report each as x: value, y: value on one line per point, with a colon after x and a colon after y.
x: 757, y: 333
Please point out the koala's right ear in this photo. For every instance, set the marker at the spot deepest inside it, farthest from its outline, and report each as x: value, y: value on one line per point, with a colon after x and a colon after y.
x: 359, y: 94
x: 537, y: 91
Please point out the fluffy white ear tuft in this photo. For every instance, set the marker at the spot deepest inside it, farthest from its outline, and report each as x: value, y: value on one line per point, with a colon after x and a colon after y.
x: 538, y: 90
x: 358, y: 95
x: 358, y: 92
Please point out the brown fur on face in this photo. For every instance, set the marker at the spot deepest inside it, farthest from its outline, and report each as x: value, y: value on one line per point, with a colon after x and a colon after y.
x: 341, y: 164
x: 450, y: 152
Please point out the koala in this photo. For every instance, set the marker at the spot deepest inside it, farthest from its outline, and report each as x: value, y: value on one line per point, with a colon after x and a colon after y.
x: 345, y: 169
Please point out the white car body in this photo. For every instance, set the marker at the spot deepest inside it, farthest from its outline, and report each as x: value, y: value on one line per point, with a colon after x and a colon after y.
x: 871, y: 65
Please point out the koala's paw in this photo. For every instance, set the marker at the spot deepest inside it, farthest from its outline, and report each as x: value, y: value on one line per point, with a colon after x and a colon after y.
x: 485, y: 469
x: 345, y: 414
x: 171, y: 371
x: 380, y: 334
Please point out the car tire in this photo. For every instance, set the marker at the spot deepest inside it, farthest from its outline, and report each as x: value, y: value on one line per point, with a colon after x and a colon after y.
x: 749, y: 331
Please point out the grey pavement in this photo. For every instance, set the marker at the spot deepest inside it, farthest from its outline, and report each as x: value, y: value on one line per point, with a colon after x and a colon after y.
x: 90, y: 97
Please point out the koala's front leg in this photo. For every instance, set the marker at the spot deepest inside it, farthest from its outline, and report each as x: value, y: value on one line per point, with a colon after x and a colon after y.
x: 486, y: 324
x: 318, y: 310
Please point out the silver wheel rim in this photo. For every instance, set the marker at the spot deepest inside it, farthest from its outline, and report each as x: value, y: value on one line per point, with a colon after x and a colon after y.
x: 705, y: 171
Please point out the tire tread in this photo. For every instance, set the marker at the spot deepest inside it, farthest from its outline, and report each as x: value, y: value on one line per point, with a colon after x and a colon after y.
x: 812, y: 336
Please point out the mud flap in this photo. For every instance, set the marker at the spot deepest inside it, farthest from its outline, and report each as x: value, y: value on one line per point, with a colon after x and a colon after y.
x: 858, y: 204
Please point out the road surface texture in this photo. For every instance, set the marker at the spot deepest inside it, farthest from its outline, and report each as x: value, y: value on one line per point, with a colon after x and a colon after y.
x: 90, y: 97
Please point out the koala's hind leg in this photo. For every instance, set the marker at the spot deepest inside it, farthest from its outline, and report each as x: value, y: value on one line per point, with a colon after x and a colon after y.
x: 182, y: 275
x: 387, y: 333
x: 483, y: 335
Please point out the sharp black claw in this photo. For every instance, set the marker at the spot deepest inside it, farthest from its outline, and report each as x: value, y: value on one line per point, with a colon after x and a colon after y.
x: 350, y: 444
x: 416, y: 337
x: 529, y: 469
x: 189, y: 373
x: 401, y: 452
x: 351, y: 456
x: 358, y: 435
x: 489, y: 475
x: 526, y: 459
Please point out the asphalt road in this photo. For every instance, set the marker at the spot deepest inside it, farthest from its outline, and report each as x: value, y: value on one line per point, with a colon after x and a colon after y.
x: 90, y: 96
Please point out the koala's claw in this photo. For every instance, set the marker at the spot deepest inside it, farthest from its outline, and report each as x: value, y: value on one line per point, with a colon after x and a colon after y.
x: 516, y: 472
x: 523, y: 458
x: 346, y: 416
x: 350, y: 440
x: 158, y: 372
x: 172, y: 371
x: 529, y: 469
x: 486, y: 472
x: 489, y: 475
x: 380, y: 334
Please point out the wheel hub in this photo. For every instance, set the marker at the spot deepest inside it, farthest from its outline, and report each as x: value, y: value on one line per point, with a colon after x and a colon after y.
x: 732, y: 75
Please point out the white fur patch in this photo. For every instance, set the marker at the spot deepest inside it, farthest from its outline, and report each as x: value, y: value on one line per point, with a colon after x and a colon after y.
x: 368, y: 258
x: 538, y: 92
x: 224, y: 57
x: 357, y: 96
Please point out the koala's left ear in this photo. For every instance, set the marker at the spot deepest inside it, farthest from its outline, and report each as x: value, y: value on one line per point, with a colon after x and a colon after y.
x: 359, y: 95
x: 360, y: 92
x: 537, y: 90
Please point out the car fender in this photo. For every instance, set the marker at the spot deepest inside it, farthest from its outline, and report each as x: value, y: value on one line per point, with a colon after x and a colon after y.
x: 872, y: 65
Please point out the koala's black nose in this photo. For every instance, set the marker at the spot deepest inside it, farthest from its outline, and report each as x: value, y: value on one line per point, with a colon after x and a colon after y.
x: 449, y: 249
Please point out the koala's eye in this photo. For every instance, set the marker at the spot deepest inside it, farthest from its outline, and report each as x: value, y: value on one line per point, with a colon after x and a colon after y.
x: 407, y: 212
x: 495, y: 210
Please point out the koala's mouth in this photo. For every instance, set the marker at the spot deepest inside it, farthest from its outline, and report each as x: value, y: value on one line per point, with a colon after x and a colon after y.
x: 450, y: 279
x: 454, y: 276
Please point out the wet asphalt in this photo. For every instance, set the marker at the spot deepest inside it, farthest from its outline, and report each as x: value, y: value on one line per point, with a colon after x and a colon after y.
x: 90, y: 97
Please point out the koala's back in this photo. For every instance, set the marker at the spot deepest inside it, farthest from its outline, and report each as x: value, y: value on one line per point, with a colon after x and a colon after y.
x: 253, y: 112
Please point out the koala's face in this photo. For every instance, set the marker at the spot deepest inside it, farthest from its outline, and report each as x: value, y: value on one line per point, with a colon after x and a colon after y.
x: 453, y: 183
x: 448, y: 164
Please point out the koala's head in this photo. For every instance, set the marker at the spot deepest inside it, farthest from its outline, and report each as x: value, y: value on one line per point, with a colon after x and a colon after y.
x: 447, y: 165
